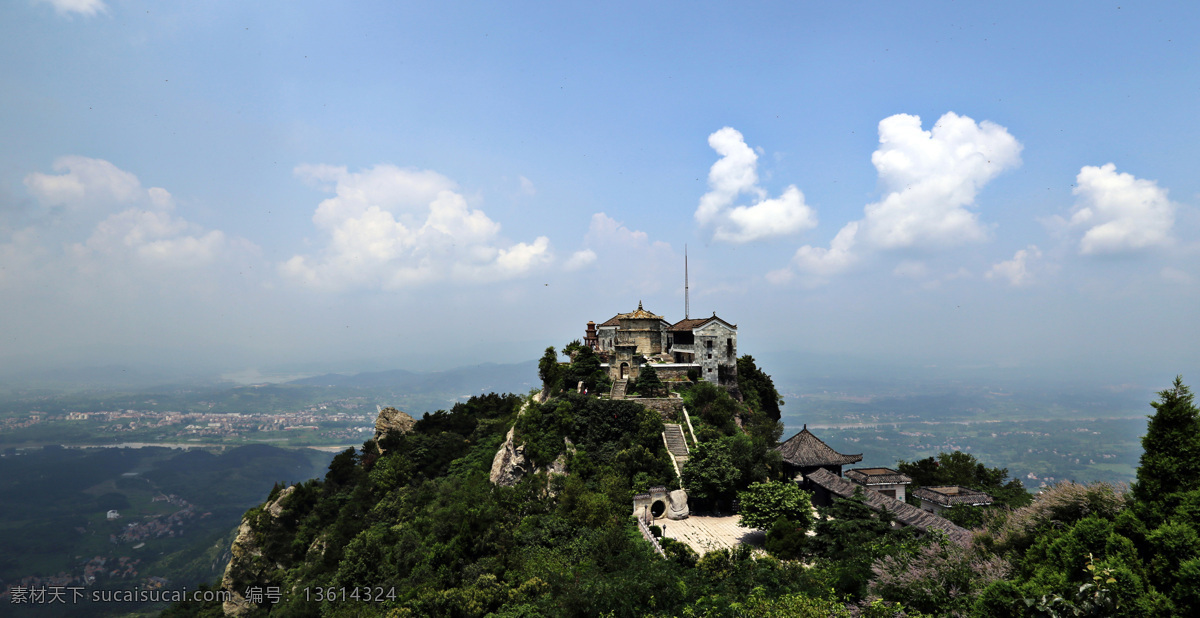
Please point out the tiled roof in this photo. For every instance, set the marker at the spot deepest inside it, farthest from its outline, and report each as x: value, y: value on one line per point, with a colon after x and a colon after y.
x: 805, y: 449
x: 877, y: 476
x: 950, y: 495
x: 694, y: 323
x: 904, y: 513
x: 689, y: 324
x: 614, y: 321
x: 642, y: 314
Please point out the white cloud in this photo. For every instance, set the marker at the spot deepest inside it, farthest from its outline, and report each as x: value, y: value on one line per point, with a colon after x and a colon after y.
x: 1016, y: 270
x: 155, y: 238
x: 632, y: 262
x: 20, y: 257
x: 931, y: 179
x: 83, y: 7
x: 527, y: 186
x: 826, y: 262
x: 391, y: 227
x: 735, y: 174
x: 580, y: 259
x: 1120, y: 212
x: 89, y: 184
x: 144, y: 230
x: 604, y: 230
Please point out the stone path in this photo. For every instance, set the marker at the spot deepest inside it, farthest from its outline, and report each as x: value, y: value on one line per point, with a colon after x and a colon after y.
x: 704, y: 534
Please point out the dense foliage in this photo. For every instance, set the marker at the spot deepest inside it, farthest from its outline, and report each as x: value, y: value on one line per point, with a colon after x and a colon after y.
x: 757, y: 388
x: 419, y: 515
x: 762, y: 504
x: 959, y: 468
x: 648, y: 384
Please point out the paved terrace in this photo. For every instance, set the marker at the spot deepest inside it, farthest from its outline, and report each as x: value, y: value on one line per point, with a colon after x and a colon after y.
x: 705, y: 534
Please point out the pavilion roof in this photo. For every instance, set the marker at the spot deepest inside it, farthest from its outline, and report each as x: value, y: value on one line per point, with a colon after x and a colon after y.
x: 805, y: 450
x: 950, y: 495
x: 904, y: 512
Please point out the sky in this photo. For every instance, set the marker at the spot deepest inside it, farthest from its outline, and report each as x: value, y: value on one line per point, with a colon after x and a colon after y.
x: 308, y: 186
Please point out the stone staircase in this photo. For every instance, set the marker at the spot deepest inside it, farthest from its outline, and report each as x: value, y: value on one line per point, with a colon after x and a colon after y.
x: 618, y: 389
x: 676, y: 445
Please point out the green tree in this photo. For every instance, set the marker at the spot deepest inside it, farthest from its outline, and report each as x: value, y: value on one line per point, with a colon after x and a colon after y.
x: 648, y: 383
x: 585, y: 367
x: 959, y: 468
x: 548, y: 369
x: 712, y: 404
x: 1171, y: 447
x: 758, y: 389
x: 709, y: 474
x: 763, y: 503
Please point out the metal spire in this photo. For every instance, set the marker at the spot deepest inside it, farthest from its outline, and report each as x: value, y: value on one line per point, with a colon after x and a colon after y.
x: 686, y: 306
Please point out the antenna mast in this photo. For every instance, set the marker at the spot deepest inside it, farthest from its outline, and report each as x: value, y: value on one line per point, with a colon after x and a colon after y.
x: 686, y: 306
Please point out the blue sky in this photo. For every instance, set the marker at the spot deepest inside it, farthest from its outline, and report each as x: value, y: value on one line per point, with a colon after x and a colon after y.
x: 257, y: 186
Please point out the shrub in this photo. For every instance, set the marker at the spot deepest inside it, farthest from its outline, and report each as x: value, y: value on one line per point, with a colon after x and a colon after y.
x: 941, y: 577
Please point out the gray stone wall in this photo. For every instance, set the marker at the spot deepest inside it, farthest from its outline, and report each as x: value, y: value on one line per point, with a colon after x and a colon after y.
x: 668, y: 408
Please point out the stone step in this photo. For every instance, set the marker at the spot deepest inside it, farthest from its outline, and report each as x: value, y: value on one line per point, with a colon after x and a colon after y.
x: 676, y: 443
x: 618, y: 389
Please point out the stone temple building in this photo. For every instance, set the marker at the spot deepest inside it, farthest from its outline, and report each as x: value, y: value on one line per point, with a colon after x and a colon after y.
x: 707, y: 345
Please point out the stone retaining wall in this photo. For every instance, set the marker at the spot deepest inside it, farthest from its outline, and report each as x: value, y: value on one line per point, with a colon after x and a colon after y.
x: 668, y: 408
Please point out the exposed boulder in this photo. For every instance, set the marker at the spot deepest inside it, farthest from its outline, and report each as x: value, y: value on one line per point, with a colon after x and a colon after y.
x: 392, y: 420
x: 510, y: 464
x: 246, y: 565
x: 275, y: 507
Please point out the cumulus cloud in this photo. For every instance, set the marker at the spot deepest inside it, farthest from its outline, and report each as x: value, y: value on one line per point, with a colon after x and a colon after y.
x: 87, y: 8
x: 1121, y: 213
x: 580, y: 259
x: 391, y: 227
x: 932, y: 178
x: 632, y: 260
x: 145, y: 229
x: 1016, y: 270
x: 735, y: 174
x: 930, y: 181
x: 83, y: 184
x: 155, y: 238
x: 838, y: 257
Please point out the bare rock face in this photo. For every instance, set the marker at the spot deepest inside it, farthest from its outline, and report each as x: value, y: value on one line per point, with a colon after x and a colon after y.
x: 246, y: 564
x: 245, y: 550
x: 510, y: 464
x: 390, y: 419
x: 275, y: 508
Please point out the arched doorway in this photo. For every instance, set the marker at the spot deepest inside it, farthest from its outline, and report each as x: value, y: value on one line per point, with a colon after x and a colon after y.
x: 657, y: 509
x: 624, y: 370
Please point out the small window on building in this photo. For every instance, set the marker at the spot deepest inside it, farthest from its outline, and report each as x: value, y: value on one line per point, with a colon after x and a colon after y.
x: 729, y: 346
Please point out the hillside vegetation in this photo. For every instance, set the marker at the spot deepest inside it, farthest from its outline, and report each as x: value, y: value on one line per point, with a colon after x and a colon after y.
x: 412, y: 526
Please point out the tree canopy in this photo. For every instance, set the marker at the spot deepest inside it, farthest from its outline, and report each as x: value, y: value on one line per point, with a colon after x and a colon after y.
x: 758, y: 389
x: 764, y: 503
x: 1170, y: 460
x: 959, y: 468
